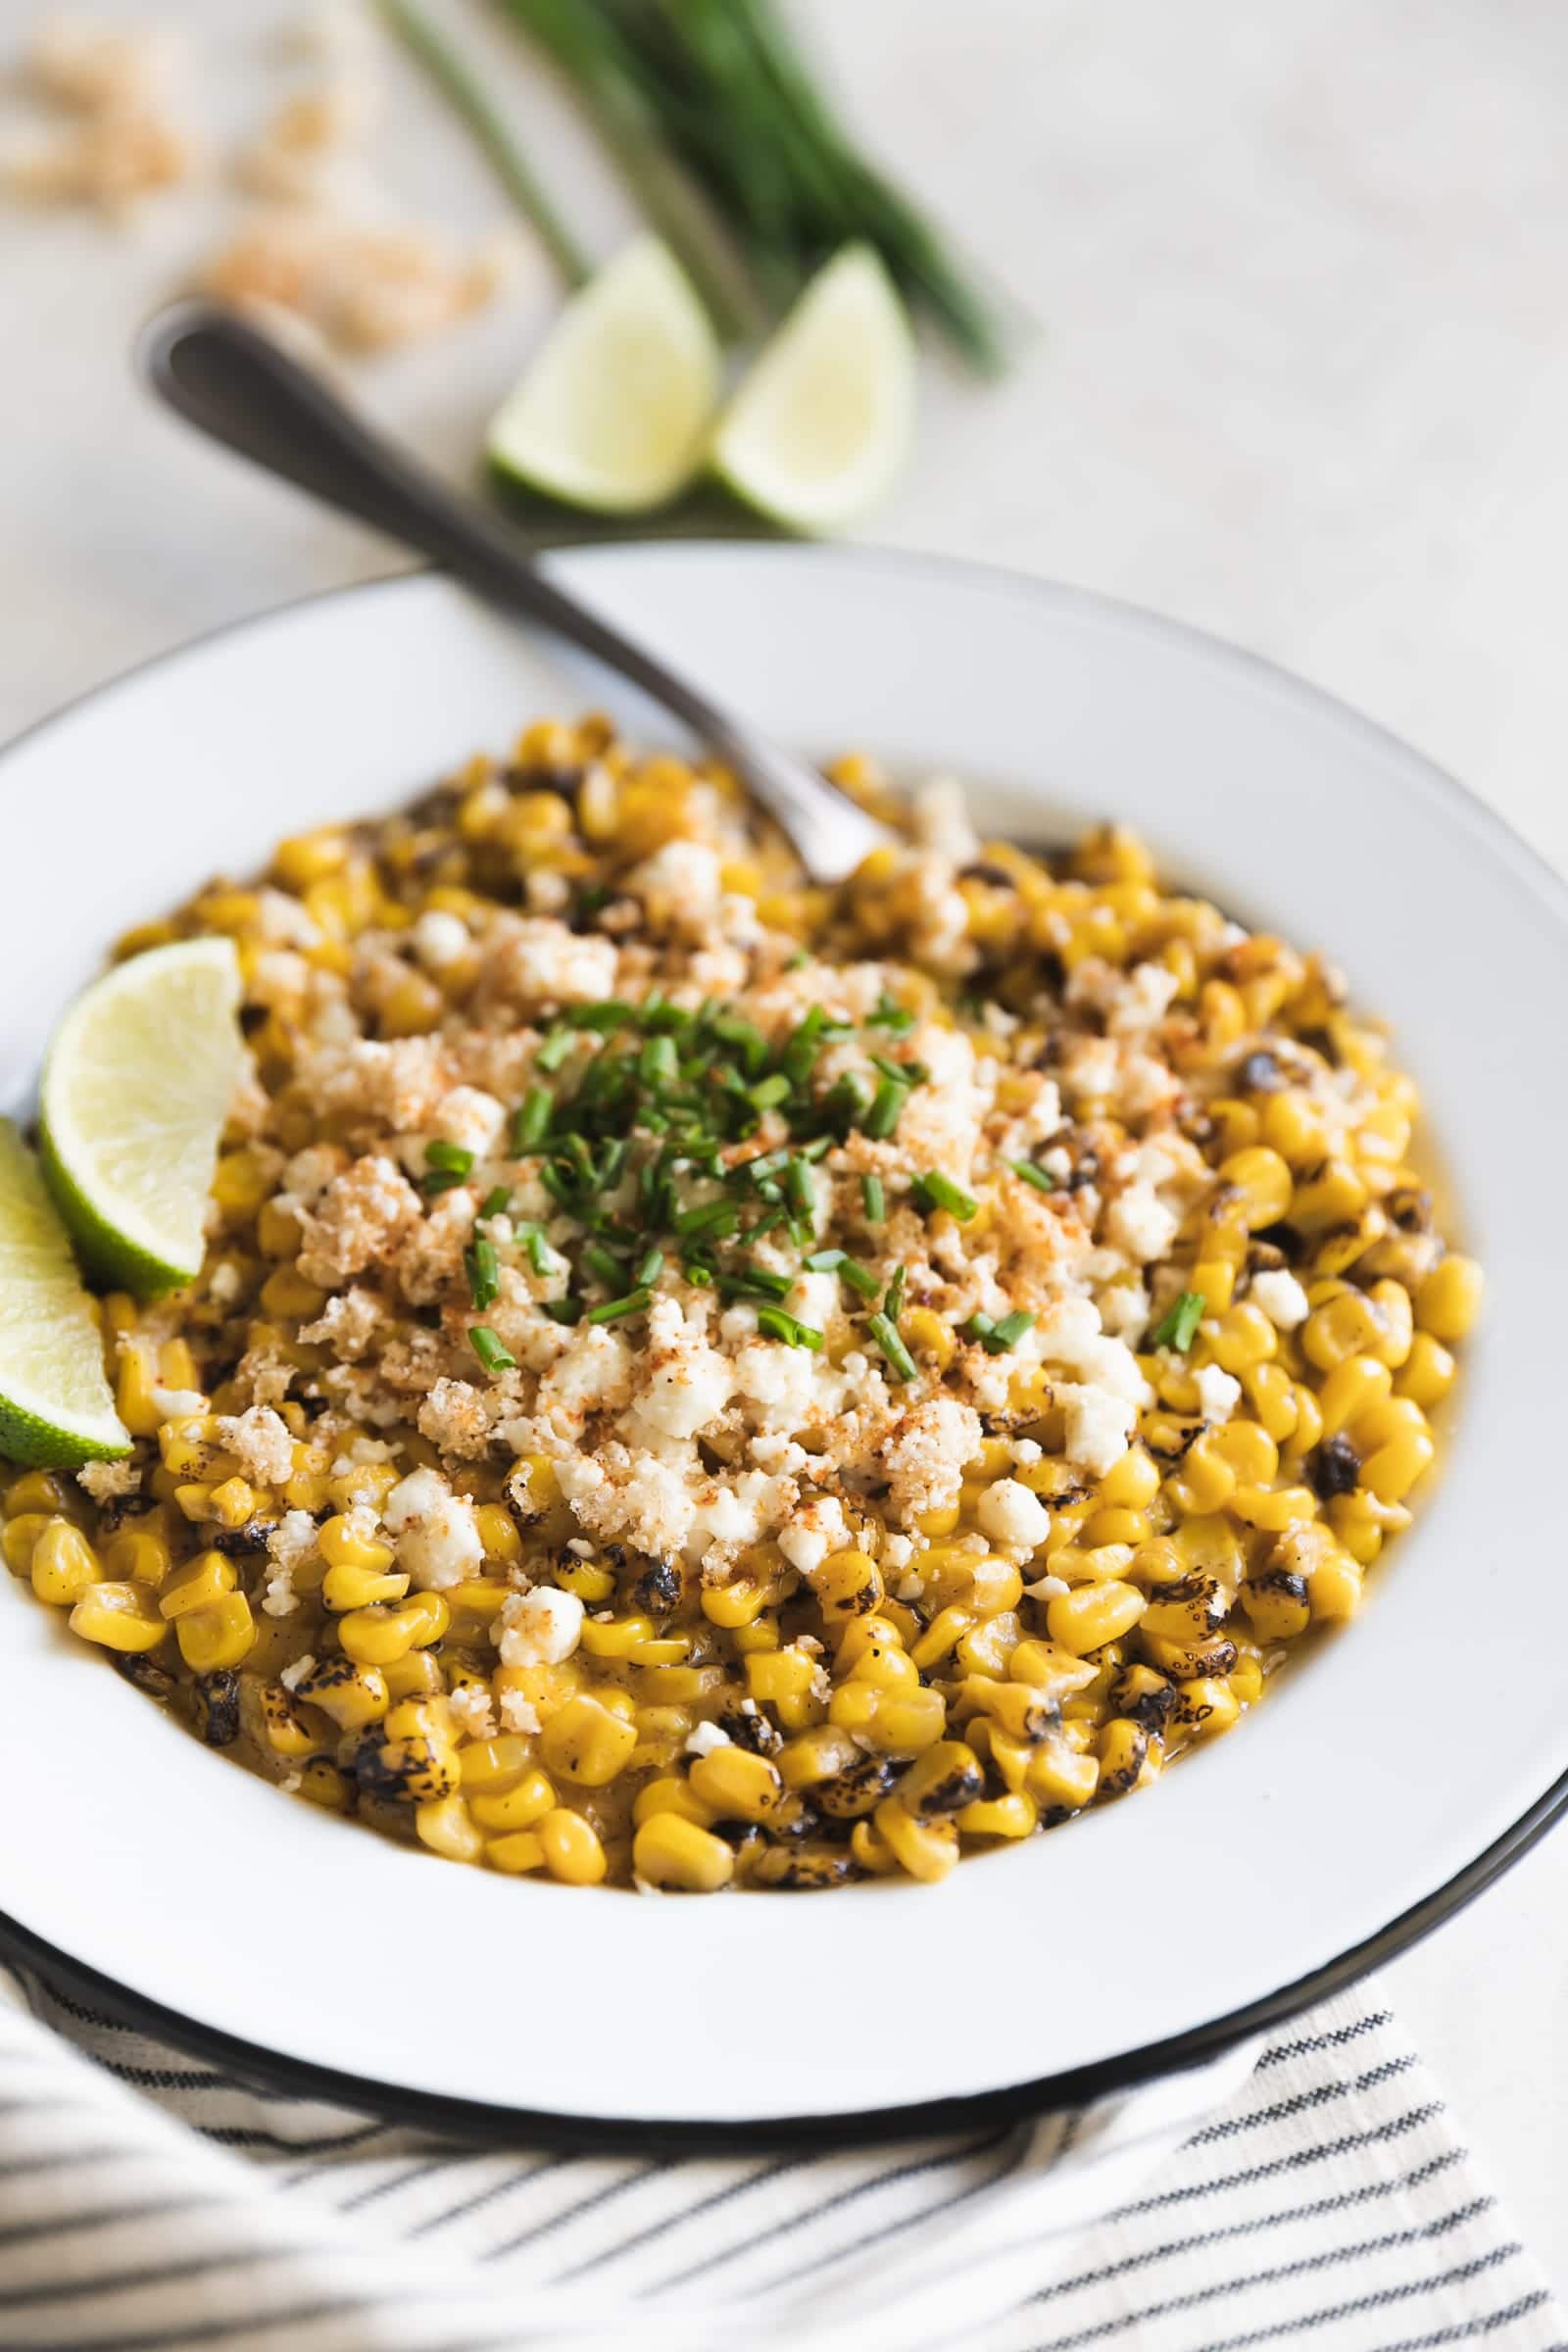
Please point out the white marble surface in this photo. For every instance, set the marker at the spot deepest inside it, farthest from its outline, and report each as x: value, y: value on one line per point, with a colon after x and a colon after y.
x: 1299, y: 376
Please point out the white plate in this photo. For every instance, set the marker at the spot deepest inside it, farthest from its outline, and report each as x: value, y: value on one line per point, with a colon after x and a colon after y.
x: 1382, y: 1780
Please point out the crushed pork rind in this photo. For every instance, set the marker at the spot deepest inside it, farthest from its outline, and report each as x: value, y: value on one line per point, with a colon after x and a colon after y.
x: 808, y: 1384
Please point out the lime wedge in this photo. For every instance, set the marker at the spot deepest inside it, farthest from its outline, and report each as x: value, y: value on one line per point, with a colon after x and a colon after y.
x: 55, y: 1405
x: 136, y: 1088
x: 825, y: 420
x: 612, y: 413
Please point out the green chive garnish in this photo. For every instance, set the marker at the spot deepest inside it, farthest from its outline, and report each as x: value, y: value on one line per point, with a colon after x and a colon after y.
x: 650, y: 1266
x: 893, y: 1303
x: 998, y: 1338
x: 716, y: 1219
x: 598, y: 1261
x: 1177, y: 1327
x: 873, y: 1199
x: 1041, y: 1178
x: 483, y: 1271
x: 616, y: 1310
x: 933, y: 1190
x: 801, y: 1187
x: 891, y: 1015
x: 887, y: 1108
x: 768, y: 1093
x: 541, y: 1256
x: 530, y: 1120
x: 553, y: 1049
x: 489, y: 1349
x: 448, y: 1156
x: 658, y: 1063
x: 495, y: 1201
x: 849, y: 1269
x: 775, y: 1324
x: 562, y: 1310
x: 887, y: 1339
x: 798, y: 1056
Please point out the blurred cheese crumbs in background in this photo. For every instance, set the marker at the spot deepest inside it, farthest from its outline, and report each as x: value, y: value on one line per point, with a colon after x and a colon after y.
x: 772, y: 232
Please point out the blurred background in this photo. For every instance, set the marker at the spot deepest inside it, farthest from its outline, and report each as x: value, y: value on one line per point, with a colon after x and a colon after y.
x: 1283, y: 293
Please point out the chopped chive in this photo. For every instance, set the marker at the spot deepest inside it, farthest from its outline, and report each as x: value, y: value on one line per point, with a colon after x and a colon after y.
x: 650, y: 1266
x: 775, y: 1324
x: 562, y: 1310
x: 887, y: 1339
x: 658, y: 1063
x: 845, y: 1102
x: 616, y: 1310
x: 755, y: 1282
x: 598, y: 1261
x: 489, y: 1349
x: 902, y: 1073
x: 448, y: 1157
x: 800, y: 1054
x: 817, y: 1148
x: 747, y: 1039
x: 997, y: 1339
x: 887, y: 1108
x: 541, y: 1256
x: 1041, y: 1178
x: 933, y: 1190
x: 697, y: 1272
x: 531, y: 1120
x: 554, y: 1048
x: 610, y: 1015
x: 483, y: 1271
x: 496, y: 1202
x: 850, y: 1269
x: 439, y: 1180
x: 1177, y: 1328
x: 797, y: 962
x: 801, y: 1186
x: 770, y: 1092
x: 893, y: 1303
x: 716, y: 1218
x: 891, y: 1015
x: 873, y: 1199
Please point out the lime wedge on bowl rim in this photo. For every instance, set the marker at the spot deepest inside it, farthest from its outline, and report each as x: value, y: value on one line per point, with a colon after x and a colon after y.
x: 612, y: 412
x: 825, y: 420
x: 56, y: 1410
x: 139, y: 1079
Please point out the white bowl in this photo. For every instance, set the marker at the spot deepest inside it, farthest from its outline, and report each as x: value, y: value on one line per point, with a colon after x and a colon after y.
x: 1399, y: 1767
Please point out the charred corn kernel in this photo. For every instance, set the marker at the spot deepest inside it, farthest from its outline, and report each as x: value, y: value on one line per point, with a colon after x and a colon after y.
x: 926, y: 1334
x: 1206, y: 1481
x: 1058, y: 1776
x: 379, y: 1635
x: 133, y: 1392
x: 63, y: 1565
x: 119, y: 1616
x: 307, y: 857
x: 846, y: 1586
x: 1241, y: 1336
x: 217, y: 1635
x: 1389, y: 1417
x: 1271, y: 1394
x: 1246, y: 1677
x: 878, y: 1630
x: 490, y: 1765
x: 1056, y: 1672
x: 1014, y: 1815
x: 320, y: 1782
x: 1189, y: 1662
x: 939, y: 1636
x: 1131, y: 1484
x: 233, y: 1504
x: 678, y: 1856
x: 1273, y: 1507
x: 352, y: 1696
x: 616, y: 1640
x: 288, y: 1294
x: 344, y: 1589
x: 523, y: 1806
x: 942, y: 1781
x: 1263, y: 1183
x: 1127, y: 1756
x: 480, y: 1596
x: 277, y: 1230
x: 189, y: 1447
x: 1348, y: 1325
x: 1450, y: 1300
x: 871, y: 1851
x: 1206, y: 1707
x: 592, y: 1582
x: 585, y: 1742
x: 939, y: 1522
x: 497, y: 1532
x: 885, y: 1665
x: 671, y: 1795
x: 1427, y: 1373
x: 736, y: 1786
x: 892, y: 1723
x: 523, y: 1850
x: 995, y: 1586
x: 1333, y: 1197
x: 1396, y: 1320
x: 285, y: 1727
x: 729, y: 1605
x: 1334, y: 1587
x: 925, y: 1849
x: 39, y: 1490
x: 1215, y: 1284
x: 307, y: 1490
x: 240, y: 1184
x: 1351, y: 1389
x: 819, y: 1755
x: 1250, y: 1450
x: 572, y: 1851
x: 447, y: 1827
x: 1188, y: 1611
x: 1017, y: 1709
x: 205, y: 1582
x: 1091, y: 1615
x: 415, y: 1676
x: 20, y: 1536
x: 1276, y: 1602
x: 987, y: 1646
x: 772, y: 1674
x: 342, y: 1544
x: 1393, y: 1469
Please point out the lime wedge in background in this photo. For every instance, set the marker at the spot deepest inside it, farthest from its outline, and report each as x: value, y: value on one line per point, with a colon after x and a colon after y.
x: 825, y: 420
x: 614, y: 413
x: 55, y: 1405
x: 136, y: 1088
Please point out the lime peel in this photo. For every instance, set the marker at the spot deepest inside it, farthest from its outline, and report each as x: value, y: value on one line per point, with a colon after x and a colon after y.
x: 56, y: 1409
x: 139, y: 1079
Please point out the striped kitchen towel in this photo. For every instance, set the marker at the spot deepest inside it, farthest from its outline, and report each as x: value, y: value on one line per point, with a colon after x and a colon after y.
x: 1312, y: 2190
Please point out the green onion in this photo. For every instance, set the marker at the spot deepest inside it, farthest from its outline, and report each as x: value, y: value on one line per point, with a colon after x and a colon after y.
x: 650, y: 1266
x: 893, y: 1303
x: 541, y: 1256
x: 747, y: 1039
x: 449, y: 1157
x: 892, y: 1346
x: 611, y: 1014
x: 849, y: 1269
x: 616, y: 1310
x: 658, y: 1063
x: 489, y: 1349
x: 767, y: 1093
x: 439, y: 1180
x: 530, y: 1120
x: 798, y: 1057
x: 801, y: 1187
x: 891, y: 1015
x: 755, y: 1282
x: 483, y: 1271
x: 873, y: 1199
x: 554, y: 1048
x: 902, y: 1073
x: 1041, y: 1178
x: 775, y: 1324
x: 598, y: 1261
x: 998, y: 1338
x: 716, y: 1219
x: 935, y: 1191
x: 496, y: 1202
x: 887, y: 1108
x: 562, y: 1310
x: 1178, y: 1327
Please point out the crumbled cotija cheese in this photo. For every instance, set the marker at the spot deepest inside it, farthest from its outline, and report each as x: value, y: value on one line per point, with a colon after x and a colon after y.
x: 434, y: 1530
x: 1280, y: 1297
x: 541, y: 1627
